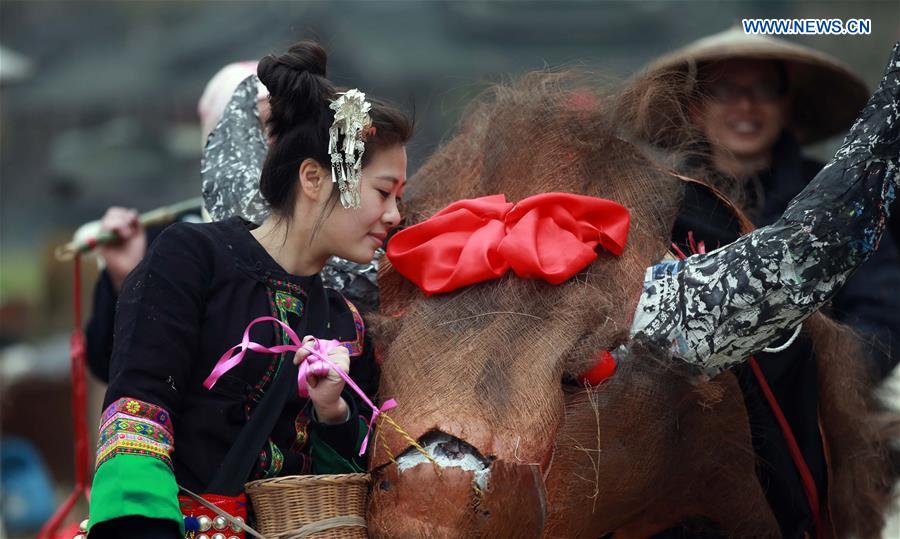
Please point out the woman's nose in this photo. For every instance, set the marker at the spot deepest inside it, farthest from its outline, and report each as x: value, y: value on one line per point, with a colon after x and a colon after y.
x: 392, y: 216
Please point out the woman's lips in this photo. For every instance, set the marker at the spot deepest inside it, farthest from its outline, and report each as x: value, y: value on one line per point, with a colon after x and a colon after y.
x: 745, y: 127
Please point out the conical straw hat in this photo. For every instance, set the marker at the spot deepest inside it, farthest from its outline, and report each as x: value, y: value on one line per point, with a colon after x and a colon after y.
x: 826, y: 94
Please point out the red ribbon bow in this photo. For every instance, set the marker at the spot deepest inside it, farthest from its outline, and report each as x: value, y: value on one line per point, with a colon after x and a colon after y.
x: 551, y: 236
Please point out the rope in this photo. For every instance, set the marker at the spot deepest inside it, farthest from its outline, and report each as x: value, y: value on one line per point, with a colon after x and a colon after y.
x: 387, y: 449
x: 409, y: 439
x: 221, y: 513
x: 789, y: 342
x: 806, y: 478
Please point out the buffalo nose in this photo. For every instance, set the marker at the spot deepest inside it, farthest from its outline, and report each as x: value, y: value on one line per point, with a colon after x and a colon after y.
x: 448, y: 452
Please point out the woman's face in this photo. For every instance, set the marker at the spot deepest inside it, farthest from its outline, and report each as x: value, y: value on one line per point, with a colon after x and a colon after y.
x: 355, y: 234
x: 744, y: 112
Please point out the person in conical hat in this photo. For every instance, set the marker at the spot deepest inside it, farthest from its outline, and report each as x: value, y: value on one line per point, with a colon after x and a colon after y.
x: 753, y: 101
x: 824, y: 94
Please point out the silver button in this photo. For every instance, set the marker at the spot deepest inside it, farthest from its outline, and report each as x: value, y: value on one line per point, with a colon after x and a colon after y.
x: 234, y: 525
x: 219, y: 523
x: 205, y: 524
x: 84, y: 525
x: 219, y: 536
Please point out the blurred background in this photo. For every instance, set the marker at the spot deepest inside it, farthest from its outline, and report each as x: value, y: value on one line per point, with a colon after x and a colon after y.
x: 98, y: 107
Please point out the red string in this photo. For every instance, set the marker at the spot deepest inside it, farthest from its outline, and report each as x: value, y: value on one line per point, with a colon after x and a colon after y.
x: 809, y: 485
x: 678, y: 251
x: 79, y: 412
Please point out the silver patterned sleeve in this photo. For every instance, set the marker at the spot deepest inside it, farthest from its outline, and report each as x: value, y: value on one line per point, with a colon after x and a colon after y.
x: 718, y: 308
x: 233, y: 159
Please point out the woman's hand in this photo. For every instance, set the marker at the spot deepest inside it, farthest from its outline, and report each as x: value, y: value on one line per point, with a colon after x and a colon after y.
x: 325, y: 390
x: 122, y: 256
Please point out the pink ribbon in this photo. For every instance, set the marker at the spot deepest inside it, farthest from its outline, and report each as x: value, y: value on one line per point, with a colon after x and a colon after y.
x: 317, y: 367
x: 316, y: 363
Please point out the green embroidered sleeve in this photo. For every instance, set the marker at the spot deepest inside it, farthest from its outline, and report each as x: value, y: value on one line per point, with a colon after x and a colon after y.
x: 134, y: 464
x: 134, y: 485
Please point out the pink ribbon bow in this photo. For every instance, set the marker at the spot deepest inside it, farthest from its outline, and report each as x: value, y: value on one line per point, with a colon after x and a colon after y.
x: 316, y: 363
x: 317, y: 366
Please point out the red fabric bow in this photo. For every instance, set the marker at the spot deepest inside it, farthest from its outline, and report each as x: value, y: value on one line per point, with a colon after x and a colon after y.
x: 551, y: 236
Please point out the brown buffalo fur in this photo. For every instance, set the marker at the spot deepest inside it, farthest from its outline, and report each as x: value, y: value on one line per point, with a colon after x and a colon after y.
x: 858, y: 432
x: 654, y: 445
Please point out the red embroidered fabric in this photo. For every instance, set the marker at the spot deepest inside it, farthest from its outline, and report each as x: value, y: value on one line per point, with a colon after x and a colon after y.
x: 194, y: 512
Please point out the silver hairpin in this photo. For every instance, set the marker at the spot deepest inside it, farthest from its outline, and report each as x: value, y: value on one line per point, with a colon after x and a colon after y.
x: 352, y: 121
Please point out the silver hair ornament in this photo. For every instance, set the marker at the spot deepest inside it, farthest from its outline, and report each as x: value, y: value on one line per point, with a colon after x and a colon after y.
x: 352, y: 122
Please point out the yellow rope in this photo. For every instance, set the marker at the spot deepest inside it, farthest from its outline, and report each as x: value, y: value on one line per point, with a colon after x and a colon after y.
x: 386, y: 448
x: 409, y: 439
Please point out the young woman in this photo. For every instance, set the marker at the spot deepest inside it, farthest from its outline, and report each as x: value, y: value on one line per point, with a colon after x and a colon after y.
x: 200, y: 285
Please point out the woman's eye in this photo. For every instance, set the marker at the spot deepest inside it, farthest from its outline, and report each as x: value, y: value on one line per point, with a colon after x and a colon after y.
x: 384, y: 194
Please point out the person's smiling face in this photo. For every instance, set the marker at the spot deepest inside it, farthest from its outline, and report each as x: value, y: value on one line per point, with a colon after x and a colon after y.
x: 744, y: 107
x: 355, y: 234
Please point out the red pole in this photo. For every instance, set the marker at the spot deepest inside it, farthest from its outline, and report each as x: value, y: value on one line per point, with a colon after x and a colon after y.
x: 79, y: 413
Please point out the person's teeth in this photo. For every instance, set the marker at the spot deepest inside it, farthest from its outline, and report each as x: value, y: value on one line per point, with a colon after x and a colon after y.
x: 744, y: 127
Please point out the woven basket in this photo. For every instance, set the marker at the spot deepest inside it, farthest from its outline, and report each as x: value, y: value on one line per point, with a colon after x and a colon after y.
x: 315, y: 506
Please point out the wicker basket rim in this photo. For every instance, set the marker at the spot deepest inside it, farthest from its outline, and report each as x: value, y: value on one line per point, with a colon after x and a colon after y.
x: 292, y: 481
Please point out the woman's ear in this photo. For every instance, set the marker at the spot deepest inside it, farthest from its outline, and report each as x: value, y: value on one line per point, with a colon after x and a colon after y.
x: 313, y: 179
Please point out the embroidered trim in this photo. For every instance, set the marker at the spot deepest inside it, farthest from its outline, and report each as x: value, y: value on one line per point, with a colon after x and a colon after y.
x: 277, y: 461
x: 134, y: 427
x: 286, y: 285
x: 287, y: 303
x: 262, y: 464
x: 301, y: 442
x: 355, y: 347
x: 269, y: 462
x: 259, y: 388
x: 301, y: 430
x: 280, y: 305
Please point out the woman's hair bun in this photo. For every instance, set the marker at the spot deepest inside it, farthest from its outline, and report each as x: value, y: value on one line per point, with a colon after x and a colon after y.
x: 300, y: 119
x: 297, y: 85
